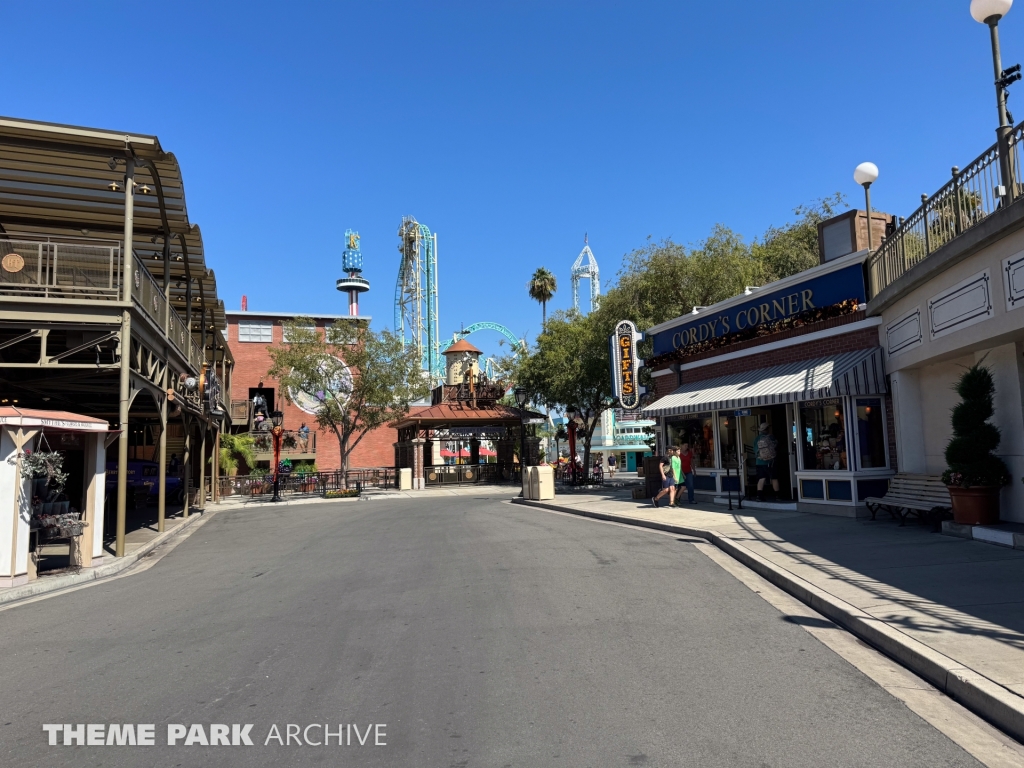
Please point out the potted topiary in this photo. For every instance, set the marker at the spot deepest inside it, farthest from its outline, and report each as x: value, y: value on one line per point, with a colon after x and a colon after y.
x: 975, y: 474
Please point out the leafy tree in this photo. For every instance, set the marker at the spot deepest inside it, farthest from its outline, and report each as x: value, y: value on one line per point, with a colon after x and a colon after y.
x: 784, y: 251
x: 542, y: 287
x: 356, y: 379
x: 569, y: 369
x: 233, y: 448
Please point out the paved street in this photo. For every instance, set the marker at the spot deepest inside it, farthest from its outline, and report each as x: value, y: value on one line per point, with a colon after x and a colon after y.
x: 481, y: 633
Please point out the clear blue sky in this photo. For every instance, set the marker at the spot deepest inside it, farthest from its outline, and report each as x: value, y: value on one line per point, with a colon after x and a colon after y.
x: 510, y: 128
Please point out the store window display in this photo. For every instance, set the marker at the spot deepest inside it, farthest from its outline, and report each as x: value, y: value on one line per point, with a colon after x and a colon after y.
x: 823, y: 434
x: 699, y: 431
x: 871, y: 433
x: 727, y: 436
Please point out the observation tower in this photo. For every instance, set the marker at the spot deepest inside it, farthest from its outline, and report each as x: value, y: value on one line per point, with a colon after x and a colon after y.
x: 585, y: 268
x: 352, y: 264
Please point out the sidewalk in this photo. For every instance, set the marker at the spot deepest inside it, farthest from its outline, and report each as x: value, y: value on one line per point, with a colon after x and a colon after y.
x: 950, y: 609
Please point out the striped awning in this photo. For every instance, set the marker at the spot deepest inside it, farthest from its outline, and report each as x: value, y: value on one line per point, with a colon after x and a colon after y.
x: 851, y: 373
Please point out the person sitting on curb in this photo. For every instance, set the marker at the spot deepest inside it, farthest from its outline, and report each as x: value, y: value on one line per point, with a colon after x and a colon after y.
x: 668, y: 480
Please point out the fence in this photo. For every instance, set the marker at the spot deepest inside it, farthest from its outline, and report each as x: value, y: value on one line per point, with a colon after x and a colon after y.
x: 60, y: 270
x: 379, y: 477
x: 469, y: 474
x: 962, y: 203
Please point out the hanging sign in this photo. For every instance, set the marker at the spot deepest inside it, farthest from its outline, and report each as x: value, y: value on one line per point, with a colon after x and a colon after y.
x: 625, y: 365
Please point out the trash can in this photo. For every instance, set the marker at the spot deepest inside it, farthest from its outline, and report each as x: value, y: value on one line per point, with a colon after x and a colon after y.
x: 405, y: 479
x: 542, y: 483
x: 527, y: 485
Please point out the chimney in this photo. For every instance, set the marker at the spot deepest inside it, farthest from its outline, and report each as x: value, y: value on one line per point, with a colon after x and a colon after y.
x: 245, y: 303
x: 848, y: 233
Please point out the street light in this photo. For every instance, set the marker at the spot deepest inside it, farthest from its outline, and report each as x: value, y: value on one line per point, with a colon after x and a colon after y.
x: 277, y: 418
x: 865, y: 175
x: 521, y: 397
x: 990, y: 12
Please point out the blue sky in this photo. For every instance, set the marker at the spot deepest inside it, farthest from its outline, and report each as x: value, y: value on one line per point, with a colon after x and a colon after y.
x: 510, y: 128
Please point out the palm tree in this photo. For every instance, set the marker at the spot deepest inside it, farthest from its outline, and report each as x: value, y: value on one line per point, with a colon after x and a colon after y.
x: 542, y: 287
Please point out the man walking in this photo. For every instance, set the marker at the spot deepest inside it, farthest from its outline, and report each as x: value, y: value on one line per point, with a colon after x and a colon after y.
x: 685, y: 474
x: 668, y: 480
x: 765, y: 449
x: 611, y: 465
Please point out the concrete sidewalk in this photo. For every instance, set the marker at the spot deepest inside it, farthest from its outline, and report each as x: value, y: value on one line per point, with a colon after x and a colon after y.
x: 945, y: 607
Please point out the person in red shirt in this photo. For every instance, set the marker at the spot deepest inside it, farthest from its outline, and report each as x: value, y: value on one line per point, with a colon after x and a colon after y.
x: 686, y: 474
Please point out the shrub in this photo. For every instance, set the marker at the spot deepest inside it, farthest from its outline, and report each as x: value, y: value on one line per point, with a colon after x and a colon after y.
x: 969, y: 453
x: 347, y: 494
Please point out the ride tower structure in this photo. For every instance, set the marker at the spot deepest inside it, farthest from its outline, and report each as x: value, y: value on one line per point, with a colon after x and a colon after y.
x: 352, y: 265
x: 416, y: 311
x: 585, y: 267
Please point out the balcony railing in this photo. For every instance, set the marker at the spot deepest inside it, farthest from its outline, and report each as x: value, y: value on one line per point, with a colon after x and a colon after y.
x: 962, y: 203
x: 292, y: 444
x: 52, y: 270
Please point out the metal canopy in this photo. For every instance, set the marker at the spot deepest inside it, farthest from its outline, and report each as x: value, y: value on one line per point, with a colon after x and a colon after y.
x: 55, y: 182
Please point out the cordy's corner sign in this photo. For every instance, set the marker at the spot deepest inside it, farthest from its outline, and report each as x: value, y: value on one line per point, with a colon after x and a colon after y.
x: 625, y: 366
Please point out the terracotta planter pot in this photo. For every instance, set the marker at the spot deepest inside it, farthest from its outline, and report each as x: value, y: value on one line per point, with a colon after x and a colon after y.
x: 977, y: 505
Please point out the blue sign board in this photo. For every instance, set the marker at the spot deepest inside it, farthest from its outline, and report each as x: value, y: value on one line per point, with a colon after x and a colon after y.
x: 742, y: 412
x: 765, y: 307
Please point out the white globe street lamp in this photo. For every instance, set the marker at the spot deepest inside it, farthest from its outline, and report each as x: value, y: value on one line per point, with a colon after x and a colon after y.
x: 990, y: 12
x: 865, y: 175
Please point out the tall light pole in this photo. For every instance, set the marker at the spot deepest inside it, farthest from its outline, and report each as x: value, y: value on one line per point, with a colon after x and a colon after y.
x: 277, y: 417
x: 521, y: 397
x: 865, y: 175
x: 990, y: 12
x: 572, y: 414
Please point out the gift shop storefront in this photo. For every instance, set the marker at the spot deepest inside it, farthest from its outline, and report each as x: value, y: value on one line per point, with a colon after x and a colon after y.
x: 797, y: 360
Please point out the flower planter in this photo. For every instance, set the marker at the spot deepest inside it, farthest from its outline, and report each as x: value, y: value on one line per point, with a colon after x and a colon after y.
x: 975, y: 505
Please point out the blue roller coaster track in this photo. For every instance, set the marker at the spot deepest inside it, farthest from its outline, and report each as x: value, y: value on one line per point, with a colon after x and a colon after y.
x: 518, y: 345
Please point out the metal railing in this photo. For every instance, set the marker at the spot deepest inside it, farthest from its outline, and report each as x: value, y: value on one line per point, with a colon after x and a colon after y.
x: 377, y: 477
x: 962, y: 203
x: 292, y: 443
x: 467, y: 474
x: 148, y: 294
x: 60, y: 270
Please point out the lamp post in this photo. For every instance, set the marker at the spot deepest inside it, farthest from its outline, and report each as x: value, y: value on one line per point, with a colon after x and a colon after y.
x: 990, y: 12
x: 865, y: 175
x: 521, y: 397
x: 277, y: 418
x: 571, y: 414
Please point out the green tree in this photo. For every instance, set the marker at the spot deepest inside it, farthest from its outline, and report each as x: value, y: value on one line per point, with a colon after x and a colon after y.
x: 784, y: 251
x: 356, y: 379
x: 233, y: 448
x: 542, y: 287
x: 569, y: 369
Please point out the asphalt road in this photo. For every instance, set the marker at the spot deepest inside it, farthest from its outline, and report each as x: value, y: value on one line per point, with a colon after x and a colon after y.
x: 480, y: 633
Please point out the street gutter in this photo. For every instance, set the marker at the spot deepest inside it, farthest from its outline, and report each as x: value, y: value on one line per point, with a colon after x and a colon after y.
x: 983, y: 696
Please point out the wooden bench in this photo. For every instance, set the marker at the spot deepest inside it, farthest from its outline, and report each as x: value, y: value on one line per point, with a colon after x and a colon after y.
x: 925, y: 496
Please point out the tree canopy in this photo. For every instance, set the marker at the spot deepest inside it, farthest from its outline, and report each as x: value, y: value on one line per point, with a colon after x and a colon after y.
x: 352, y: 378
x: 542, y: 287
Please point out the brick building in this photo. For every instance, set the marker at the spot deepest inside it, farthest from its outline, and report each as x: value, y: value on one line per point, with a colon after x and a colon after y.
x: 798, y: 359
x: 249, y: 336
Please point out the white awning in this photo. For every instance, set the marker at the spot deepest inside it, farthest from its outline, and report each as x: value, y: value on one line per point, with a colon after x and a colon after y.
x: 851, y: 373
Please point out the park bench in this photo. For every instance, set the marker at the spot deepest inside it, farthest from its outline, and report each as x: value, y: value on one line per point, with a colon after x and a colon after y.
x: 925, y: 496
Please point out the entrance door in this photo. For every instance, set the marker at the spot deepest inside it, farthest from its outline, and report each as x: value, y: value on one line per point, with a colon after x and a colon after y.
x: 777, y: 418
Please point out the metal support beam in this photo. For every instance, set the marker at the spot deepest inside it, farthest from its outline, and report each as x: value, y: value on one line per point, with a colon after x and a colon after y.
x: 18, y: 339
x: 202, y: 465
x: 124, y: 403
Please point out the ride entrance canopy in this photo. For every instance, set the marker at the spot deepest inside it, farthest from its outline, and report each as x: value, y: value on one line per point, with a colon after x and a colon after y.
x: 331, y: 381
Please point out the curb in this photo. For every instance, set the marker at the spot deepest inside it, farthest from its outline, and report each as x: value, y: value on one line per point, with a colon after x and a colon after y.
x: 983, y: 696
x: 58, y: 583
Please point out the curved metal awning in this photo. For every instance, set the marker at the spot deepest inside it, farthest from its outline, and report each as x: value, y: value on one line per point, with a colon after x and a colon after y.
x: 55, y: 181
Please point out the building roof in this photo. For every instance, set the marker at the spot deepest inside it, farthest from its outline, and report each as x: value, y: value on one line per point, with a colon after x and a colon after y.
x: 65, y: 420
x: 446, y: 414
x: 54, y: 183
x: 238, y: 314
x: 462, y: 346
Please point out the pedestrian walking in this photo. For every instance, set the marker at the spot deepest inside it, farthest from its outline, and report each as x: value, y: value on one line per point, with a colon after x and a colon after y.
x: 677, y: 475
x: 668, y: 480
x: 765, y: 450
x: 685, y: 478
x: 611, y: 465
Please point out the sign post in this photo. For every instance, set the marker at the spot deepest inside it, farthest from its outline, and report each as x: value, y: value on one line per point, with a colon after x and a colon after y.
x: 625, y: 365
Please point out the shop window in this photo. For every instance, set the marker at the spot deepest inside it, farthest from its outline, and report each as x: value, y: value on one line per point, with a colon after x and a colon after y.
x: 871, y: 433
x: 727, y: 437
x: 823, y: 434
x: 699, y: 431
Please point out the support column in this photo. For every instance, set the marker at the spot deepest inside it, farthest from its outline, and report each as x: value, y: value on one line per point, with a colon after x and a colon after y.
x: 417, y: 463
x: 474, y: 450
x: 15, y: 502
x: 202, y: 467
x: 161, y: 497
x: 124, y: 403
x: 186, y: 464
x: 215, y: 468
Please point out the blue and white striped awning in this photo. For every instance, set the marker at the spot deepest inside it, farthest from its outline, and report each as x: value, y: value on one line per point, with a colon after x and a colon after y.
x: 851, y: 373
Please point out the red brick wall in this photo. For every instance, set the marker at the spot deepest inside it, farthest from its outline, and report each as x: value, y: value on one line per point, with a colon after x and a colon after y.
x: 252, y: 361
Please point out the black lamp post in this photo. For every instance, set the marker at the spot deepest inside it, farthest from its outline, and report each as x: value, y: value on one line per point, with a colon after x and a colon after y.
x: 572, y: 415
x: 521, y: 397
x: 277, y: 418
x: 990, y: 12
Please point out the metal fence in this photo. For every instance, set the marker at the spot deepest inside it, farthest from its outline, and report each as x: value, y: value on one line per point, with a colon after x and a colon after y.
x: 962, y: 203
x: 468, y: 474
x: 378, y: 477
x: 60, y: 270
x: 148, y: 294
